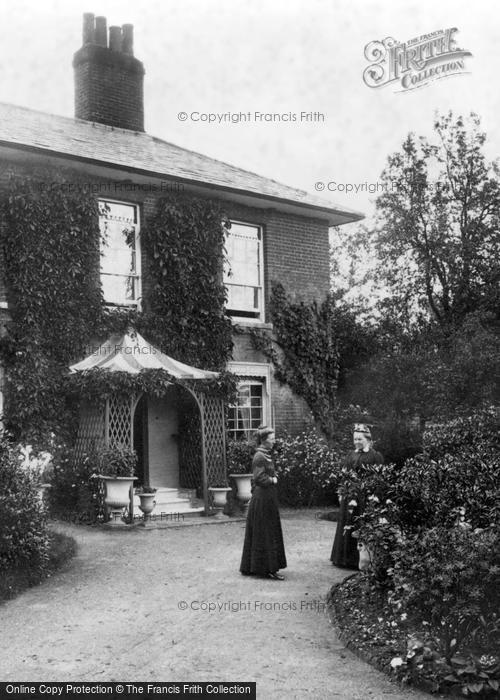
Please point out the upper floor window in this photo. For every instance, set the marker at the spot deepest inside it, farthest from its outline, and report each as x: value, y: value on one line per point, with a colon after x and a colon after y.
x: 243, y: 272
x: 120, y: 253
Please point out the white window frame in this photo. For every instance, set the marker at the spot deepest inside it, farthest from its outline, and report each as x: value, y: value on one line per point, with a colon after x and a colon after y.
x: 257, y: 373
x: 241, y: 314
x: 137, y: 274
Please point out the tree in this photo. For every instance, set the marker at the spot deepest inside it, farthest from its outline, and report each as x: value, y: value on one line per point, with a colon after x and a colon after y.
x: 438, y: 225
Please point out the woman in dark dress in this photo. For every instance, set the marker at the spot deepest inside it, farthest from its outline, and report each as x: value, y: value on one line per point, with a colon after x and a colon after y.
x: 263, y: 548
x: 345, y: 546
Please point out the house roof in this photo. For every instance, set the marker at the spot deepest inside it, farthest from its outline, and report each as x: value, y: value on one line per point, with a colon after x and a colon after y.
x: 131, y: 353
x: 141, y: 153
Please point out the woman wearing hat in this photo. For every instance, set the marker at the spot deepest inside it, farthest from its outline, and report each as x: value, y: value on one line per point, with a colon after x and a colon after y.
x: 345, y: 546
x: 263, y: 548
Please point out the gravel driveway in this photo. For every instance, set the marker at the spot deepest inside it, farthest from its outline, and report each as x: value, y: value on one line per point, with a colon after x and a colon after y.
x: 170, y: 605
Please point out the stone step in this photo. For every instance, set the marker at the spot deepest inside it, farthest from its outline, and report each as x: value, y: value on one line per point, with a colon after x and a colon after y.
x: 172, y: 502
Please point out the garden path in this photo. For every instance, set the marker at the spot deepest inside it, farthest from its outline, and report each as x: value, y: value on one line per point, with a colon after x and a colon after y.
x: 113, y: 613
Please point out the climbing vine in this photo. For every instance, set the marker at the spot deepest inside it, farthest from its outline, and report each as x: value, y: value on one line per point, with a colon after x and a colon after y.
x: 304, y: 350
x: 51, y: 251
x: 184, y: 242
x: 51, y: 248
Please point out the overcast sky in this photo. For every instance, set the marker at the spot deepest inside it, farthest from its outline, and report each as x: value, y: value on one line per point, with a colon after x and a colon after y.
x: 286, y: 56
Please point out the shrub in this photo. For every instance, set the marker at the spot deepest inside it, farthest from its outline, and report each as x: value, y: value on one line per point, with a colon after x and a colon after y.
x: 115, y: 461
x: 449, y: 580
x: 308, y: 470
x: 435, y: 492
x: 23, y: 531
x: 398, y: 441
x: 480, y: 428
x: 73, y: 493
x: 379, y: 530
x: 239, y: 456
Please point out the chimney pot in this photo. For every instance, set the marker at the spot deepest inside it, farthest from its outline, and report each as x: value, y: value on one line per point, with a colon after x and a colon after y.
x: 128, y: 39
x: 115, y: 38
x: 109, y: 81
x: 88, y: 28
x: 101, y: 34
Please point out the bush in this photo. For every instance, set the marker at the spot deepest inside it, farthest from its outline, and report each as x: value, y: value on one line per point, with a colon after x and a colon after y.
x: 481, y: 428
x: 378, y: 529
x: 73, y: 492
x: 398, y: 441
x: 308, y: 470
x: 16, y: 579
x: 239, y: 456
x: 434, y: 493
x: 23, y: 530
x: 115, y: 461
x: 449, y: 580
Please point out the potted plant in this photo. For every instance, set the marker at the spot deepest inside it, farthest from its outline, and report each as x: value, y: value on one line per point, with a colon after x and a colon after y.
x: 146, y: 495
x: 116, y: 466
x: 239, y: 459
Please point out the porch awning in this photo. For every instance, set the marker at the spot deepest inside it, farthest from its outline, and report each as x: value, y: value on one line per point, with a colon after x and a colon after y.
x: 131, y: 353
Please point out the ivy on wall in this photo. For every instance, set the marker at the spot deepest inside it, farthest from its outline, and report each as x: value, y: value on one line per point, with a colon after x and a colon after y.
x: 51, y: 251
x: 304, y: 350
x: 184, y: 242
x: 50, y: 239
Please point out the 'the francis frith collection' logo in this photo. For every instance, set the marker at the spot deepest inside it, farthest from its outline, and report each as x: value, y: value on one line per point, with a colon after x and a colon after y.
x: 416, y: 62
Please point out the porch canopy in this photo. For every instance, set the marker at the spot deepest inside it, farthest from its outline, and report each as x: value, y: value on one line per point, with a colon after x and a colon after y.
x: 131, y: 353
x: 111, y: 421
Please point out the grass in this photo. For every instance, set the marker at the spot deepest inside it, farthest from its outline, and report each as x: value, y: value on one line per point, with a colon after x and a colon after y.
x: 17, y: 579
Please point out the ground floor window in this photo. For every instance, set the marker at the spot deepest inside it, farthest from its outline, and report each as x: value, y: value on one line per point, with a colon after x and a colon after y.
x: 248, y: 413
x: 253, y: 405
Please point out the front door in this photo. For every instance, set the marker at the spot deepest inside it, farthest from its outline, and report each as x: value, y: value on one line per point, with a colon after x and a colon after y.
x: 163, y: 451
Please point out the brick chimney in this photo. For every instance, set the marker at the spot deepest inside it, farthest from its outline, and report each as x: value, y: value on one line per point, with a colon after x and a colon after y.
x: 108, y: 79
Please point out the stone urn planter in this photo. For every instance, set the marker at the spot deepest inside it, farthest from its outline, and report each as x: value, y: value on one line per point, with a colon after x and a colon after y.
x: 117, y: 496
x: 244, y: 488
x: 219, y: 496
x: 147, y: 499
x: 116, y: 466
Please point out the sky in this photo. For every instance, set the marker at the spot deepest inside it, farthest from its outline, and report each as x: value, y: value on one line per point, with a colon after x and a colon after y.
x: 283, y: 57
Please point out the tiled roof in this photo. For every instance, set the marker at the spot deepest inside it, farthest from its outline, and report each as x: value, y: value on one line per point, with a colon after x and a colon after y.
x: 143, y: 153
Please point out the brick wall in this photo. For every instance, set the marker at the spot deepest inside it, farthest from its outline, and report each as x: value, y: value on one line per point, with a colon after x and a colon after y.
x: 296, y: 251
x: 109, y: 87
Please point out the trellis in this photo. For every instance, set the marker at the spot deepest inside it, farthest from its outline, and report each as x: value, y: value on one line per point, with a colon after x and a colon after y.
x: 110, y: 421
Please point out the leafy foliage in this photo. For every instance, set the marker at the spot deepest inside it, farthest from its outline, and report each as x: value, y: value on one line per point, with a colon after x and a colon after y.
x: 73, y: 493
x: 23, y: 530
x: 97, y: 382
x: 239, y: 455
x: 439, y: 222
x: 51, y: 249
x: 307, y: 346
x: 115, y: 461
x: 184, y: 243
x: 435, y: 276
x: 450, y: 578
x: 307, y: 469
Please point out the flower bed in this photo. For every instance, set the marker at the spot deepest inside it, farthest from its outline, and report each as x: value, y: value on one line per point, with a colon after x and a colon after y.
x: 368, y: 625
x: 427, y: 606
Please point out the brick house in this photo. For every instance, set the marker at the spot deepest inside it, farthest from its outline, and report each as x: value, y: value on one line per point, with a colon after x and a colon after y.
x: 278, y: 233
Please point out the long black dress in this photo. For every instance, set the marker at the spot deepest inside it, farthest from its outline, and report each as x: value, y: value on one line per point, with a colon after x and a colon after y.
x: 263, y: 548
x: 345, y: 546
